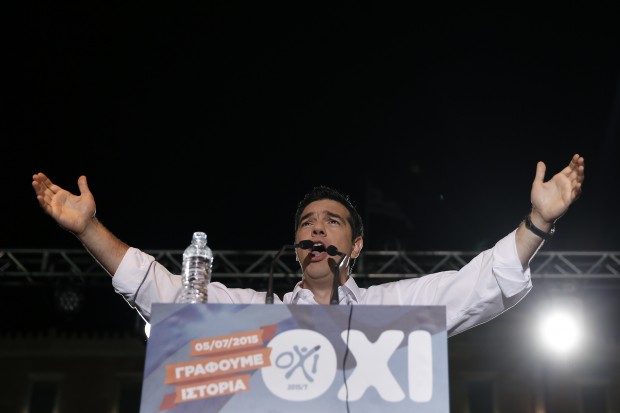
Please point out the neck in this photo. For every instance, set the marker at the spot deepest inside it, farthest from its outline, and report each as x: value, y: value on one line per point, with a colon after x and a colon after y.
x: 322, y: 289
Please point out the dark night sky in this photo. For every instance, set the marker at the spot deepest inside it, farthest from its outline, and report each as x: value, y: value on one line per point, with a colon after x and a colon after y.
x: 219, y: 116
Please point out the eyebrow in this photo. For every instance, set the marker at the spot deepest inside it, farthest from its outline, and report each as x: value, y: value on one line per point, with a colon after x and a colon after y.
x: 328, y: 213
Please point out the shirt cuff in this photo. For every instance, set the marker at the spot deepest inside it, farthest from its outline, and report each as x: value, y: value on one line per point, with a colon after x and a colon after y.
x: 511, y: 277
x: 131, y: 272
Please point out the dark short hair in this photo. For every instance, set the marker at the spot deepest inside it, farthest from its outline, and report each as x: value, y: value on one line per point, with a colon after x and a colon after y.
x: 325, y: 192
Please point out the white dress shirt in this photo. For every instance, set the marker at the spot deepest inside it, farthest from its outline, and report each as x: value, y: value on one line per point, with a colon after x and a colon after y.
x: 488, y: 285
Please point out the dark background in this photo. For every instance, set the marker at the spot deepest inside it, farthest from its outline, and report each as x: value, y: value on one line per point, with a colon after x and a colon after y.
x: 219, y: 116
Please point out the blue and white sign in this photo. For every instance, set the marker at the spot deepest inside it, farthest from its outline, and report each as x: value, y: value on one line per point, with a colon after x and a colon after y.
x: 295, y: 358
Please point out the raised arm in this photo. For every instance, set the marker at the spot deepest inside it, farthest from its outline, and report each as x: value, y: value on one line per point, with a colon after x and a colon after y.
x: 550, y: 200
x: 76, y: 214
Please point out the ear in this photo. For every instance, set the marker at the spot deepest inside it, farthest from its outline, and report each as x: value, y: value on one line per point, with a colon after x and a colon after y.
x: 358, y: 244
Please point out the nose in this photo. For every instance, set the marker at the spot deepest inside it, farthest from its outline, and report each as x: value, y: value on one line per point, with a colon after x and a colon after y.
x: 318, y: 230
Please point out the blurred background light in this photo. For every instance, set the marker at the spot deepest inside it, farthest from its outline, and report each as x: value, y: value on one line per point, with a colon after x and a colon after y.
x: 560, y: 328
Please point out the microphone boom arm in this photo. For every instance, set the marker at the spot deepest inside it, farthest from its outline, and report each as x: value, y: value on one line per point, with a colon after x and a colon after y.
x: 305, y: 244
x: 331, y: 250
x: 269, y: 296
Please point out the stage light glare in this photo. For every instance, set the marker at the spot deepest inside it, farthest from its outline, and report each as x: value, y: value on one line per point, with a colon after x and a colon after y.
x: 560, y: 332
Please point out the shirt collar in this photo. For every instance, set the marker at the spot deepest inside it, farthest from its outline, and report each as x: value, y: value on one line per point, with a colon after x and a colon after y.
x: 301, y: 295
x: 352, y: 290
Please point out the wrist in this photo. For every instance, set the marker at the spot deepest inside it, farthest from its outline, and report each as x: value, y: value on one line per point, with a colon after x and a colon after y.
x: 539, y: 227
x: 90, y: 227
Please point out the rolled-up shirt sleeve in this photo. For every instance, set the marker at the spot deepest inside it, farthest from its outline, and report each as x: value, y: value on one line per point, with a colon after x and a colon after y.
x: 142, y: 281
x: 488, y: 285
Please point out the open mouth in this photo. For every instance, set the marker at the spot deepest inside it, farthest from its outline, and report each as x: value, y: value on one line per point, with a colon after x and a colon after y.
x: 318, y: 248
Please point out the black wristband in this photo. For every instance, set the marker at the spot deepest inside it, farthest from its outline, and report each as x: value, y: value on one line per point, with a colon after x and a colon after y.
x: 542, y: 234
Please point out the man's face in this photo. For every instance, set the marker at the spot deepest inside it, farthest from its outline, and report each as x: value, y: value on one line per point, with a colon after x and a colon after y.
x: 324, y: 222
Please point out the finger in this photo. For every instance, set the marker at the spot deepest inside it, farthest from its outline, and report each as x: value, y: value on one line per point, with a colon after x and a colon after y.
x: 573, y: 167
x: 577, y: 191
x: 37, y: 181
x: 581, y: 166
x: 577, y: 171
x: 47, y: 186
x: 580, y: 176
x: 35, y: 184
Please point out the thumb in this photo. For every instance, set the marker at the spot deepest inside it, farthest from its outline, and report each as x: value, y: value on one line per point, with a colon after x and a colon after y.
x: 83, y: 185
x: 540, y: 172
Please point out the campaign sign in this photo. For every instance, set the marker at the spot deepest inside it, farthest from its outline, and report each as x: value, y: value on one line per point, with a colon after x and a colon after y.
x: 296, y: 358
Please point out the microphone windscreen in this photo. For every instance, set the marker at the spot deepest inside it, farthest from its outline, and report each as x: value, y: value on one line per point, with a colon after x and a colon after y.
x: 305, y: 244
x: 331, y: 250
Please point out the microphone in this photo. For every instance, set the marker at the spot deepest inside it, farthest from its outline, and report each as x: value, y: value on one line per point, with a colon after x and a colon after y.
x: 304, y: 245
x: 333, y: 251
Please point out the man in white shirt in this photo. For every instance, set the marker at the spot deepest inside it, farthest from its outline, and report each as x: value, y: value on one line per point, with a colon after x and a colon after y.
x: 489, y: 284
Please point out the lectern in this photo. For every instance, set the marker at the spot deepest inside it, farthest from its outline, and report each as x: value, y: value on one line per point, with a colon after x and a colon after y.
x: 276, y: 358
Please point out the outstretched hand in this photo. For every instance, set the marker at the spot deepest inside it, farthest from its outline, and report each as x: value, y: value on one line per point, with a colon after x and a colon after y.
x: 71, y: 212
x: 551, y: 199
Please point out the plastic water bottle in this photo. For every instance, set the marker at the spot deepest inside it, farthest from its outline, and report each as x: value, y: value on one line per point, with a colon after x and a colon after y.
x: 197, y: 264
